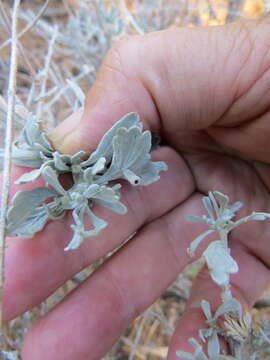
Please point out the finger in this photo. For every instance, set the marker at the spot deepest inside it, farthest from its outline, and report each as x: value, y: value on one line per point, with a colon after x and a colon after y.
x: 237, y: 179
x: 102, y: 307
x: 45, y: 264
x: 126, y: 285
x: 247, y: 285
x: 181, y: 86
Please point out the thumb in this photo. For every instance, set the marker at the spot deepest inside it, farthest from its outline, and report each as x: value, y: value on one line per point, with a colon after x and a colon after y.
x: 66, y: 138
x: 123, y: 85
x: 178, y: 80
x: 112, y: 96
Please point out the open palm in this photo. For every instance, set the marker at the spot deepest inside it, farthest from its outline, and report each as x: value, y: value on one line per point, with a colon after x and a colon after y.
x: 206, y: 92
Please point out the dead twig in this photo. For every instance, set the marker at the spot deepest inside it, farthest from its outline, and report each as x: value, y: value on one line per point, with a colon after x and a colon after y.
x: 28, y: 26
x: 8, y: 140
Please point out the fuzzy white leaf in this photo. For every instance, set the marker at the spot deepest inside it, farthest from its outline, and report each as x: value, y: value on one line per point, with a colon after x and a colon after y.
x: 36, y: 145
x: 33, y: 134
x: 185, y: 355
x: 77, y: 158
x: 105, y: 148
x: 116, y: 207
x: 23, y: 156
x: 124, y: 152
x: 257, y: 216
x: 99, y: 224
x: 50, y: 176
x: 28, y: 177
x: 107, y: 194
x: 31, y: 130
x: 92, y: 191
x: 206, y: 308
x: 205, y: 333
x: 131, y: 158
x: 230, y: 306
x: 40, y: 147
x: 235, y: 207
x: 34, y: 223
x: 222, y: 199
x: 24, y: 204
x: 131, y: 148
x: 80, y: 233
x: 208, y: 206
x: 150, y: 172
x: 195, y: 219
x: 76, y: 240
x: 214, y: 202
x: 59, y: 162
x: 220, y: 262
x: 195, y: 243
x: 198, y: 354
x: 213, y: 346
x: 99, y: 166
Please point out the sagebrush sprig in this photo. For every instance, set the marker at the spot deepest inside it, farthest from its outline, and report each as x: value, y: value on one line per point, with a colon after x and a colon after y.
x: 91, y: 30
x: 199, y: 354
x: 243, y: 342
x: 123, y: 153
x: 220, y: 220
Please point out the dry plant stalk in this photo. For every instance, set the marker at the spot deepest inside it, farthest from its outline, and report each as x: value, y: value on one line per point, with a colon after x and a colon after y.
x: 29, y: 25
x: 8, y: 141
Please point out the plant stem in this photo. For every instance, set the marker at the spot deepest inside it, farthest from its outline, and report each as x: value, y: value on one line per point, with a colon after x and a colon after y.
x: 224, y: 237
x: 8, y: 140
x: 44, y: 74
x: 29, y: 25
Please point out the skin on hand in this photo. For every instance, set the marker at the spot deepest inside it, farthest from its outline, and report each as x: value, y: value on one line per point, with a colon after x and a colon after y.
x: 206, y: 92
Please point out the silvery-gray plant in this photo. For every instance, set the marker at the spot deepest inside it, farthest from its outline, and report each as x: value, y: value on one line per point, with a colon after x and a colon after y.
x: 123, y: 153
x: 91, y: 31
x: 230, y: 321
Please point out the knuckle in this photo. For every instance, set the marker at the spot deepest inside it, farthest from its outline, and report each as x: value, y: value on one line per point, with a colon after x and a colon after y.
x: 120, y: 52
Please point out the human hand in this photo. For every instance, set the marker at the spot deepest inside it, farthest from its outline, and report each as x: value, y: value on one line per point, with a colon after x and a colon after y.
x: 205, y: 91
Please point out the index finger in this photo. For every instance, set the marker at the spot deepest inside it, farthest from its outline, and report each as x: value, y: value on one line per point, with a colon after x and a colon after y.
x: 36, y: 267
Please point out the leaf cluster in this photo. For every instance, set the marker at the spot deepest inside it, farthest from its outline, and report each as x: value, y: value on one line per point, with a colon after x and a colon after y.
x: 92, y: 29
x: 219, y: 218
x: 243, y: 341
x: 123, y: 153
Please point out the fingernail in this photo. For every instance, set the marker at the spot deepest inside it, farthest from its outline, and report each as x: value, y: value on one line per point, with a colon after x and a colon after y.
x: 61, y: 137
